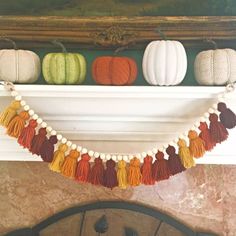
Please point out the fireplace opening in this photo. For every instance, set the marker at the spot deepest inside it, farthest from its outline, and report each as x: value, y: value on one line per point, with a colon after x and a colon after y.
x: 109, y: 218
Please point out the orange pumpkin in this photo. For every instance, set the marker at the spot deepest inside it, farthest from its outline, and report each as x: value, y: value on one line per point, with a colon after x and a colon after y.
x: 109, y: 70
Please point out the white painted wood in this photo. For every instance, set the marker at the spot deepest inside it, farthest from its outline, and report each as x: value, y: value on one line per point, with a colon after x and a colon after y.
x: 119, y: 119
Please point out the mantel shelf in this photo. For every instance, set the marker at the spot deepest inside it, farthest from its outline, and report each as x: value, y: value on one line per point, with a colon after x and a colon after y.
x: 120, y: 119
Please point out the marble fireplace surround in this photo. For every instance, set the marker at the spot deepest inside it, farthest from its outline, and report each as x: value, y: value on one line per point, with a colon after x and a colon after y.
x: 203, y: 198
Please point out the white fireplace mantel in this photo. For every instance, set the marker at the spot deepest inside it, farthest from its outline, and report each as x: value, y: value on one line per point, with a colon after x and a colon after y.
x: 114, y: 119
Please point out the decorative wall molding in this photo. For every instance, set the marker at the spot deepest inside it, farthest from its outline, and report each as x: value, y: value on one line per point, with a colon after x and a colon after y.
x: 90, y: 31
x: 120, y: 119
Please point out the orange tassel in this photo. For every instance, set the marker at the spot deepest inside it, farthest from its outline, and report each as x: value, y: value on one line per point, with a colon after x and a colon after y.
x: 146, y: 170
x: 17, y: 124
x: 83, y: 168
x: 122, y: 175
x: 27, y: 134
x: 69, y: 166
x: 9, y: 113
x: 58, y: 158
x: 185, y: 155
x: 196, y: 144
x: 134, y: 173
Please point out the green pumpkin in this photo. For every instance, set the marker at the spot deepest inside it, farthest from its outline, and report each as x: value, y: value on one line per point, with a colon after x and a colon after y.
x: 64, y: 68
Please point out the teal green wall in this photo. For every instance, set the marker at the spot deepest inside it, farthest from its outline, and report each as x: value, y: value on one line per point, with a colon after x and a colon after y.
x: 90, y: 55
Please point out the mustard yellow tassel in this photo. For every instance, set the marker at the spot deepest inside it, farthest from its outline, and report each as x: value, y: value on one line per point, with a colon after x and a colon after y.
x: 58, y: 158
x: 9, y: 113
x: 134, y: 175
x: 185, y: 154
x: 122, y: 174
x: 17, y: 124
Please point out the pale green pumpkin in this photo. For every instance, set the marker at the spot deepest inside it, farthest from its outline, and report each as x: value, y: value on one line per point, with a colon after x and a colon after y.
x: 64, y: 68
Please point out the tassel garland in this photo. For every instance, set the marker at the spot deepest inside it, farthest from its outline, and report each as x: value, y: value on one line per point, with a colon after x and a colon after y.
x: 15, y: 120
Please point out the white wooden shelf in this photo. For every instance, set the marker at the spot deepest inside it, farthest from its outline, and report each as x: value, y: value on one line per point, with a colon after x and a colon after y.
x: 119, y: 119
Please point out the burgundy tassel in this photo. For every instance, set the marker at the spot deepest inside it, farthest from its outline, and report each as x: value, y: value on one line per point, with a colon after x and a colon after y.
x: 174, y: 162
x: 97, y: 172
x: 83, y: 168
x: 227, y: 117
x: 47, y: 148
x: 160, y: 169
x: 209, y: 143
x: 27, y: 134
x: 110, y: 176
x: 146, y: 171
x: 217, y: 130
x: 38, y: 141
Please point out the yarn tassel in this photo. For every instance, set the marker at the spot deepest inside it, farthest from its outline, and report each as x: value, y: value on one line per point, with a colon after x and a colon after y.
x: 134, y: 172
x: 38, y: 140
x: 217, y: 130
x: 83, y: 168
x: 196, y: 144
x: 122, y: 175
x: 227, y: 117
x: 96, y: 175
x: 47, y: 148
x: 209, y: 144
x: 160, y: 169
x: 27, y: 134
x: 146, y: 171
x: 185, y: 155
x: 110, y: 176
x: 69, y: 166
x: 58, y: 158
x: 17, y: 124
x: 9, y: 113
x: 174, y: 163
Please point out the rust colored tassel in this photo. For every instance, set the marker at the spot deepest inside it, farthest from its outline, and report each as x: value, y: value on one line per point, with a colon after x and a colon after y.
x: 9, y: 113
x: 122, y: 174
x: 83, y: 168
x: 38, y: 141
x: 174, y: 163
x: 196, y: 144
x: 69, y: 166
x: 58, y: 158
x: 47, y: 148
x: 110, y: 176
x: 185, y: 155
x: 209, y: 144
x: 160, y: 169
x: 27, y: 134
x: 96, y: 175
x: 146, y: 171
x: 134, y: 173
x: 217, y: 130
x: 227, y: 117
x: 17, y: 124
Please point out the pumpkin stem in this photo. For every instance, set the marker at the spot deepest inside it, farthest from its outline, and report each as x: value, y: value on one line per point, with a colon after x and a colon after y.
x: 9, y: 40
x: 60, y: 44
x: 120, y: 49
x: 212, y: 42
x: 162, y: 35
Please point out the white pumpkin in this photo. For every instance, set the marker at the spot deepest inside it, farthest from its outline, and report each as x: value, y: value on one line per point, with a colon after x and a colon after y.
x: 215, y: 67
x: 164, y: 62
x: 19, y: 66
